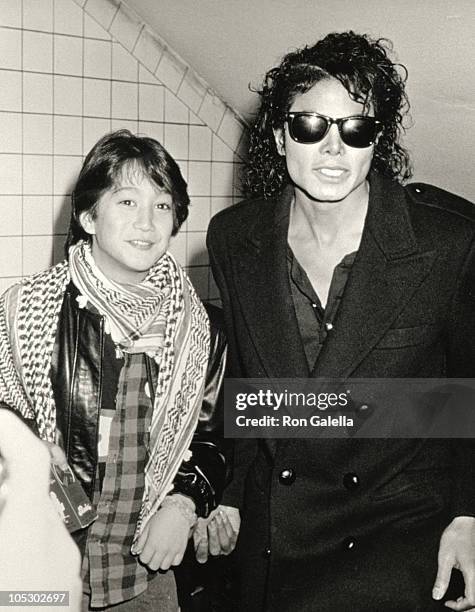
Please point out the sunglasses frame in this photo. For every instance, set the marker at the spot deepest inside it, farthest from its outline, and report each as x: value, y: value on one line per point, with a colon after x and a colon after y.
x: 330, y: 121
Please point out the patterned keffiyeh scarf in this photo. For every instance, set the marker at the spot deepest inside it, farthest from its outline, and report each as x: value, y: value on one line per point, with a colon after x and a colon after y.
x: 161, y: 316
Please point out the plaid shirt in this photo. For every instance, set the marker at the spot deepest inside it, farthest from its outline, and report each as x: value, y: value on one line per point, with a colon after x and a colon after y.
x: 110, y: 570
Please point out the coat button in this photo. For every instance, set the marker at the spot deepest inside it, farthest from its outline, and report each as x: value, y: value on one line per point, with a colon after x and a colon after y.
x: 349, y: 543
x: 351, y: 481
x: 266, y: 553
x: 287, y: 476
x: 363, y: 408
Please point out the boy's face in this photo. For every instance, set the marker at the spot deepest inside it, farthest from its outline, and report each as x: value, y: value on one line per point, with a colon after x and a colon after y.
x: 131, y: 228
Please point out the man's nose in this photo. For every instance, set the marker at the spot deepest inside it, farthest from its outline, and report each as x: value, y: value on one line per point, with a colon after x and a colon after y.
x: 332, y: 142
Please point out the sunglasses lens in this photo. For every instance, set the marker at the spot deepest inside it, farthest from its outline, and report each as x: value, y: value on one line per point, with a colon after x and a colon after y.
x: 307, y: 128
x: 359, y: 132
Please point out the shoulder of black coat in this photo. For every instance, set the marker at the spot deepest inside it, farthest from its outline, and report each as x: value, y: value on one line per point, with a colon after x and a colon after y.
x: 435, y: 197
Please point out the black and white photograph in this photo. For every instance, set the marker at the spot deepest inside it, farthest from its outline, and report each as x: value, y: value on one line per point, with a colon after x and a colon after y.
x: 237, y: 305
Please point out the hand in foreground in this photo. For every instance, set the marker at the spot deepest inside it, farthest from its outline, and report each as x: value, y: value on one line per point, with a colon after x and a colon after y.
x: 457, y: 549
x: 164, y: 538
x: 217, y: 534
x: 57, y: 455
x: 37, y: 552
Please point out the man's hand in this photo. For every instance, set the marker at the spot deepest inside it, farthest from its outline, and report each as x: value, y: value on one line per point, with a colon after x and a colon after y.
x: 457, y: 549
x: 164, y: 538
x: 216, y: 535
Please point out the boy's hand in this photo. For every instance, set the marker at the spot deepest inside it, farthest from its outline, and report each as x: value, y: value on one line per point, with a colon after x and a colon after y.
x: 164, y: 538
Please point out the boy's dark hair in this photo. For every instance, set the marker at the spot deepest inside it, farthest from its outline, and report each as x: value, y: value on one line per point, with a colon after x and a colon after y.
x: 122, y: 152
x: 363, y: 67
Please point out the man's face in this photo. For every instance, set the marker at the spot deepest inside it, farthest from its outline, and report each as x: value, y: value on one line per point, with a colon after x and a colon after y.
x: 131, y: 228
x: 329, y: 170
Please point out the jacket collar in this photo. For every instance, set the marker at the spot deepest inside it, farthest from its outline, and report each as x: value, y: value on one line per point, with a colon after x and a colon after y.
x: 388, y: 268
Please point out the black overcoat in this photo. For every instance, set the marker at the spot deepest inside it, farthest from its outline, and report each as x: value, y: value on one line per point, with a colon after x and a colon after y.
x: 357, y: 526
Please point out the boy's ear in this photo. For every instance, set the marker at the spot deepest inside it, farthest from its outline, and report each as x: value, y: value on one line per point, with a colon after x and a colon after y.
x: 279, y: 137
x: 87, y: 222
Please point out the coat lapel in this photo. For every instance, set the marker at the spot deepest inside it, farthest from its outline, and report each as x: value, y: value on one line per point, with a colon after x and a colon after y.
x: 263, y: 289
x: 387, y: 270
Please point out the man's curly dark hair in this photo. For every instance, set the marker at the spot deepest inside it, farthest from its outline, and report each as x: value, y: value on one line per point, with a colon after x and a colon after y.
x: 363, y: 67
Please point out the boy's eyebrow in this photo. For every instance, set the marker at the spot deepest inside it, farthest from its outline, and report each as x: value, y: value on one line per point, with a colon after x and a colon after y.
x: 123, y: 188
x: 119, y: 188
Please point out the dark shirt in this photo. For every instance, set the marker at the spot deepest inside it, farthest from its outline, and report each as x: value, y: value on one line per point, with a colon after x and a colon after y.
x: 315, y: 322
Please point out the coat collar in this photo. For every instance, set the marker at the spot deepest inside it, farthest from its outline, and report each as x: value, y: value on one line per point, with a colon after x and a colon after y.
x: 387, y: 270
x: 263, y: 289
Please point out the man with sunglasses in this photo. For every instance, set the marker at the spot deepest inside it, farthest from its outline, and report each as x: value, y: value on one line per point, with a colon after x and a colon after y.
x: 334, y: 269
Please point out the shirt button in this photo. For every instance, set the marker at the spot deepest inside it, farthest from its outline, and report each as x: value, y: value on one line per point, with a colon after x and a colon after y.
x: 266, y: 553
x: 328, y: 326
x: 351, y: 481
x: 349, y: 543
x: 287, y: 476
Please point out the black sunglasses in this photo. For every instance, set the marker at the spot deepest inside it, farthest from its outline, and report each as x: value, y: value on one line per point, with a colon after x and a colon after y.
x: 357, y: 131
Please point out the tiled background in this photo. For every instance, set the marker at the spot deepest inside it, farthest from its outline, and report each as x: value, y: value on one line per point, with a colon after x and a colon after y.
x: 72, y: 70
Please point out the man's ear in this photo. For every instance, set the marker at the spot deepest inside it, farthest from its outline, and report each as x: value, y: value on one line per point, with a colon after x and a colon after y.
x: 279, y: 137
x: 86, y: 220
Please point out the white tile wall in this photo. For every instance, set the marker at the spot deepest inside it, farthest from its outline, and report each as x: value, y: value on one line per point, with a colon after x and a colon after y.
x: 67, y: 135
x: 10, y: 176
x: 97, y: 98
x: 92, y: 29
x: 148, y: 50
x: 199, y: 214
x: 37, y: 174
x: 199, y: 176
x: 10, y: 90
x: 176, y: 140
x: 11, y: 132
x: 200, y: 142
x: 68, y: 18
x: 68, y: 94
x: 150, y: 102
x: 37, y: 133
x: 197, y: 255
x: 178, y: 248
x: 124, y: 100
x: 10, y: 13
x: 10, y: 49
x: 11, y: 216
x: 126, y: 27
x: 175, y: 110
x: 37, y: 215
x: 37, y: 93
x: 124, y: 65
x: 170, y: 71
x: 66, y: 170
x: 11, y: 265
x: 97, y: 58
x: 61, y: 214
x: 71, y: 71
x: 37, y: 52
x: 68, y: 55
x: 102, y: 12
x: 37, y: 253
x: 38, y: 15
x: 93, y: 129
